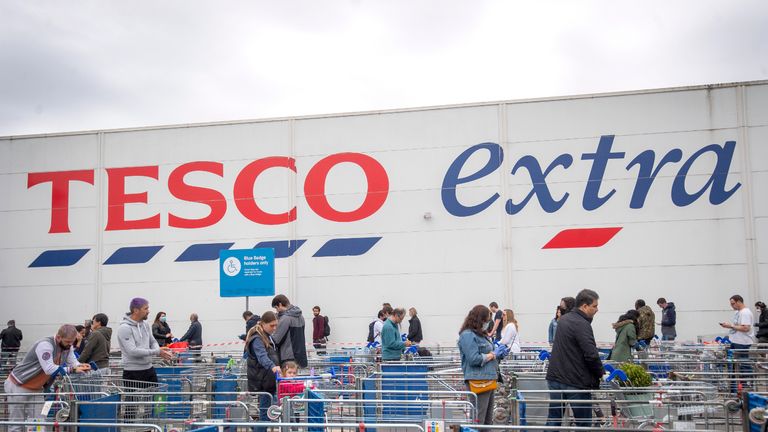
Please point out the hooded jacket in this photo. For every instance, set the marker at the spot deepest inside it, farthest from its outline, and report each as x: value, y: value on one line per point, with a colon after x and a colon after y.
x: 668, y: 315
x: 289, y: 336
x: 626, y: 338
x: 97, y: 348
x: 136, y: 344
x: 575, y: 360
x: 646, y: 323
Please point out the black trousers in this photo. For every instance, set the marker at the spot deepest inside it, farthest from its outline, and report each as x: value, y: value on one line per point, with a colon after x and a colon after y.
x: 139, y: 381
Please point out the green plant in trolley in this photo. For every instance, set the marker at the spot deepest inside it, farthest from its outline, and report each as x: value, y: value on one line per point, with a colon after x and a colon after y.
x: 637, y: 376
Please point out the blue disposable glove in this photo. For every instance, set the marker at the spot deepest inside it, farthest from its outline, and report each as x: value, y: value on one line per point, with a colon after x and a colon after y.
x: 93, y: 366
x: 403, y: 337
x: 61, y: 370
x: 501, y: 351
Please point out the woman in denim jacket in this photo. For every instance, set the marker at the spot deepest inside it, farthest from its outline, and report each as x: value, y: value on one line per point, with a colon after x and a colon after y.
x: 478, y: 359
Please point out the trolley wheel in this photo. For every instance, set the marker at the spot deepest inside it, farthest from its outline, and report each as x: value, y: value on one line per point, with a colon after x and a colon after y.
x: 500, y: 415
x: 274, y: 412
x: 733, y: 405
x: 62, y: 415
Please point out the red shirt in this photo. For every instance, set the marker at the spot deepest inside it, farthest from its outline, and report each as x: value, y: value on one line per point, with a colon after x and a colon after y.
x: 318, y: 328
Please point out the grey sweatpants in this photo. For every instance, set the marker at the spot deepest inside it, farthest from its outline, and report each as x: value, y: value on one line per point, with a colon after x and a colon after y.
x: 23, y: 405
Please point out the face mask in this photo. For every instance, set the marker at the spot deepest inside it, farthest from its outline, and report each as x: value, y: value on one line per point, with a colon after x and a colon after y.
x: 162, y: 319
x: 488, y: 326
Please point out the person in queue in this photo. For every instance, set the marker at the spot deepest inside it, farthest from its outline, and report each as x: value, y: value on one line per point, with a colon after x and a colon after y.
x: 263, y: 363
x: 46, y: 359
x: 574, y: 366
x: 161, y: 331
x: 392, y: 346
x: 479, y: 360
x: 137, y: 344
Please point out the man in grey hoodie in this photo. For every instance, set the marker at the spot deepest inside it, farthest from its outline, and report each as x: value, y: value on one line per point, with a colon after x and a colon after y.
x: 138, y: 345
x: 289, y: 335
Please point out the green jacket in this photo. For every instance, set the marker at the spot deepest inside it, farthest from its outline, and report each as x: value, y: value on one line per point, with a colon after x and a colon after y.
x: 392, y: 345
x: 626, y: 338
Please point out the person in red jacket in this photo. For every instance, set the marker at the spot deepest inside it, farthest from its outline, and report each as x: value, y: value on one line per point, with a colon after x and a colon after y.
x: 318, y: 330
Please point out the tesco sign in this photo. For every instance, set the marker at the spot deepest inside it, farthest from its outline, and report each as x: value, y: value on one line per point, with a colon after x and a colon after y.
x: 593, y: 196
x: 117, y: 198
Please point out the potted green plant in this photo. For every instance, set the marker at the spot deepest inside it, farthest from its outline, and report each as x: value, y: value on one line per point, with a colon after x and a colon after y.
x: 637, y: 378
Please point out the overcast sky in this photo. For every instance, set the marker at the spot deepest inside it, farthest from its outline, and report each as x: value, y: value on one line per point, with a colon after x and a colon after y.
x: 83, y: 65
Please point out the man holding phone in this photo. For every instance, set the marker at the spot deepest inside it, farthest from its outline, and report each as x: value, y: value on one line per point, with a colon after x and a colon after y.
x: 740, y: 333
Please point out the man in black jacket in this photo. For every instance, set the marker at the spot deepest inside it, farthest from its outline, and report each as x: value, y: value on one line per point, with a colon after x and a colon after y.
x: 575, y: 363
x: 251, y: 320
x: 194, y: 336
x: 10, y: 342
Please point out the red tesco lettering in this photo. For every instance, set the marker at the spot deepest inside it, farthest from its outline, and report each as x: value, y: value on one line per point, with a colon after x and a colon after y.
x: 117, y: 197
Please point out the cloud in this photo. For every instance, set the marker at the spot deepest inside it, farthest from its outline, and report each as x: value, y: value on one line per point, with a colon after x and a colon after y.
x: 107, y: 64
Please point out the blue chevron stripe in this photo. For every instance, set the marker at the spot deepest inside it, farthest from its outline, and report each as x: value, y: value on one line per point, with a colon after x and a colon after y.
x: 346, y: 246
x: 203, y: 252
x: 59, y: 258
x: 283, y: 248
x: 133, y: 255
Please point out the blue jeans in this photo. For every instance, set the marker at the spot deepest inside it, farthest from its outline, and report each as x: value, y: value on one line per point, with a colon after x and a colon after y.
x: 582, y: 410
x: 264, y: 401
x: 743, y: 370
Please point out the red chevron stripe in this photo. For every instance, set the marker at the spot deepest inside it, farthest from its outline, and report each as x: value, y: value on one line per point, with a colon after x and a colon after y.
x: 581, y: 238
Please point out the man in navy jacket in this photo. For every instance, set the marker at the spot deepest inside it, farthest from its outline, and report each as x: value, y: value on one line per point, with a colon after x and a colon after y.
x: 575, y: 362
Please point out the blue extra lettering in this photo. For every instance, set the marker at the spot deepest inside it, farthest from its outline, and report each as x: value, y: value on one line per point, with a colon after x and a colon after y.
x: 452, y: 179
x: 539, y: 184
x: 716, y: 182
x: 647, y: 173
x: 592, y: 199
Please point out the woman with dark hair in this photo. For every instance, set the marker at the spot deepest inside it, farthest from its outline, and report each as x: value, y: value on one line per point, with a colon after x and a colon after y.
x: 762, y: 323
x: 479, y: 361
x: 263, y: 363
x: 161, y: 330
x: 80, y: 340
x: 626, y: 336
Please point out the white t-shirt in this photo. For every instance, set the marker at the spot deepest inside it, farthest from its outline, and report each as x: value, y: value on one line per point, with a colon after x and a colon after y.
x: 511, y: 338
x: 742, y: 317
x: 377, y: 330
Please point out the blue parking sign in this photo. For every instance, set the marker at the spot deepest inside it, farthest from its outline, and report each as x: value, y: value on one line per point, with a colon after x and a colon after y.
x: 247, y: 272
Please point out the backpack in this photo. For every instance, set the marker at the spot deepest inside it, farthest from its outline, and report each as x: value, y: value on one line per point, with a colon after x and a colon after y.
x: 326, y: 327
x: 370, y: 331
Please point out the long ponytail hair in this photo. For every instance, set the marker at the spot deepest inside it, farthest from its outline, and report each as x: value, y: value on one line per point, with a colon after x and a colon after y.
x: 258, y: 330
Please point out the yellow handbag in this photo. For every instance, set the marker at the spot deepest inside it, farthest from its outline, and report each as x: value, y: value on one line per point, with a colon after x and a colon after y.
x: 482, y: 386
